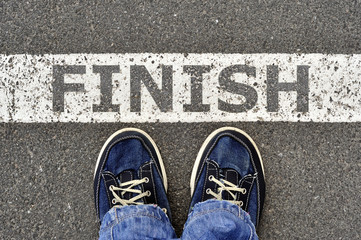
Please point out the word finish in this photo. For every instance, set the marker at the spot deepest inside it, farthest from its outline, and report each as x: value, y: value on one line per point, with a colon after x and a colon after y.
x: 180, y: 88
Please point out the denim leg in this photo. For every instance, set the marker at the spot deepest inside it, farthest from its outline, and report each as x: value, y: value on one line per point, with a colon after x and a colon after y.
x: 214, y: 219
x: 136, y: 222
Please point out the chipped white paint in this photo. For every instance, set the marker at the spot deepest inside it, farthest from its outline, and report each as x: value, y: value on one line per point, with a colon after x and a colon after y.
x: 26, y: 88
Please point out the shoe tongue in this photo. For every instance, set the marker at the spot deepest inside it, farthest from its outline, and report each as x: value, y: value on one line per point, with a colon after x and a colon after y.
x: 232, y: 176
x: 127, y: 176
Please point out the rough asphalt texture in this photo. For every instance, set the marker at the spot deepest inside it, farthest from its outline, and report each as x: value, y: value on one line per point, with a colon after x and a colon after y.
x: 312, y: 169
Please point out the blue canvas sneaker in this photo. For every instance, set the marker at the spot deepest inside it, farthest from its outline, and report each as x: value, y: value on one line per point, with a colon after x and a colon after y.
x: 229, y: 167
x: 129, y: 171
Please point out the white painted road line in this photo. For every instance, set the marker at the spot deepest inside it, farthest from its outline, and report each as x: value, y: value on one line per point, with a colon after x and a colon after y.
x: 180, y: 88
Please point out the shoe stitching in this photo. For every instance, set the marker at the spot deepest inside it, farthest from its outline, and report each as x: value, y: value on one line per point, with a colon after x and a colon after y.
x: 249, y: 194
x: 239, y: 140
x: 205, y: 159
x: 216, y: 141
x: 226, y: 178
x: 258, y: 202
x: 141, y: 176
x: 128, y: 171
x: 216, y: 166
x: 104, y: 160
x: 249, y: 191
x: 151, y: 174
x: 142, y: 187
x: 258, y: 195
x: 204, y: 184
x: 110, y: 175
x: 121, y: 177
x: 232, y: 170
x: 252, y: 161
x: 200, y: 172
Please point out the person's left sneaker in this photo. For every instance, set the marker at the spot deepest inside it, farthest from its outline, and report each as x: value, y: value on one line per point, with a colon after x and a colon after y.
x: 129, y: 171
x: 229, y: 168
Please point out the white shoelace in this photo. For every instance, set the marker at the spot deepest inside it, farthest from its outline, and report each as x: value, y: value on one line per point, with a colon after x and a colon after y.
x: 225, y: 185
x: 133, y: 200
x: 123, y: 187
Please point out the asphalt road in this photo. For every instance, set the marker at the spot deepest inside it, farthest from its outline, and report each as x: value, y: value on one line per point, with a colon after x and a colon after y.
x: 312, y: 169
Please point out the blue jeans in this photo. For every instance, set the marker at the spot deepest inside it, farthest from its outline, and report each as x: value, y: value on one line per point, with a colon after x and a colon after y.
x: 211, y: 219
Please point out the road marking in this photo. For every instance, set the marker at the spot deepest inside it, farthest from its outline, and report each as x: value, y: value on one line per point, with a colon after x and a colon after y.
x: 180, y: 88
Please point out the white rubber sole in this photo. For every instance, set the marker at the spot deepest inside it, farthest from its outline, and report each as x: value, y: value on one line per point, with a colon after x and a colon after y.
x: 208, y: 139
x: 162, y: 168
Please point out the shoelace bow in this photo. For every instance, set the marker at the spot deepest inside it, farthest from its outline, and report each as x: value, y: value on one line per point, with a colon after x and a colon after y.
x: 123, y: 187
x: 225, y: 185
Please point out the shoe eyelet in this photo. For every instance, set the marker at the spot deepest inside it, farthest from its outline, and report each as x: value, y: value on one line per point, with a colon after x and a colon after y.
x: 148, y: 193
x: 208, y: 190
x: 241, y: 204
x: 210, y: 178
x: 244, y: 191
x: 146, y: 180
x: 113, y: 201
x: 111, y: 187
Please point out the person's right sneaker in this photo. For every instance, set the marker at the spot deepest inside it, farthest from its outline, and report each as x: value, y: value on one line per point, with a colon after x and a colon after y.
x: 229, y: 167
